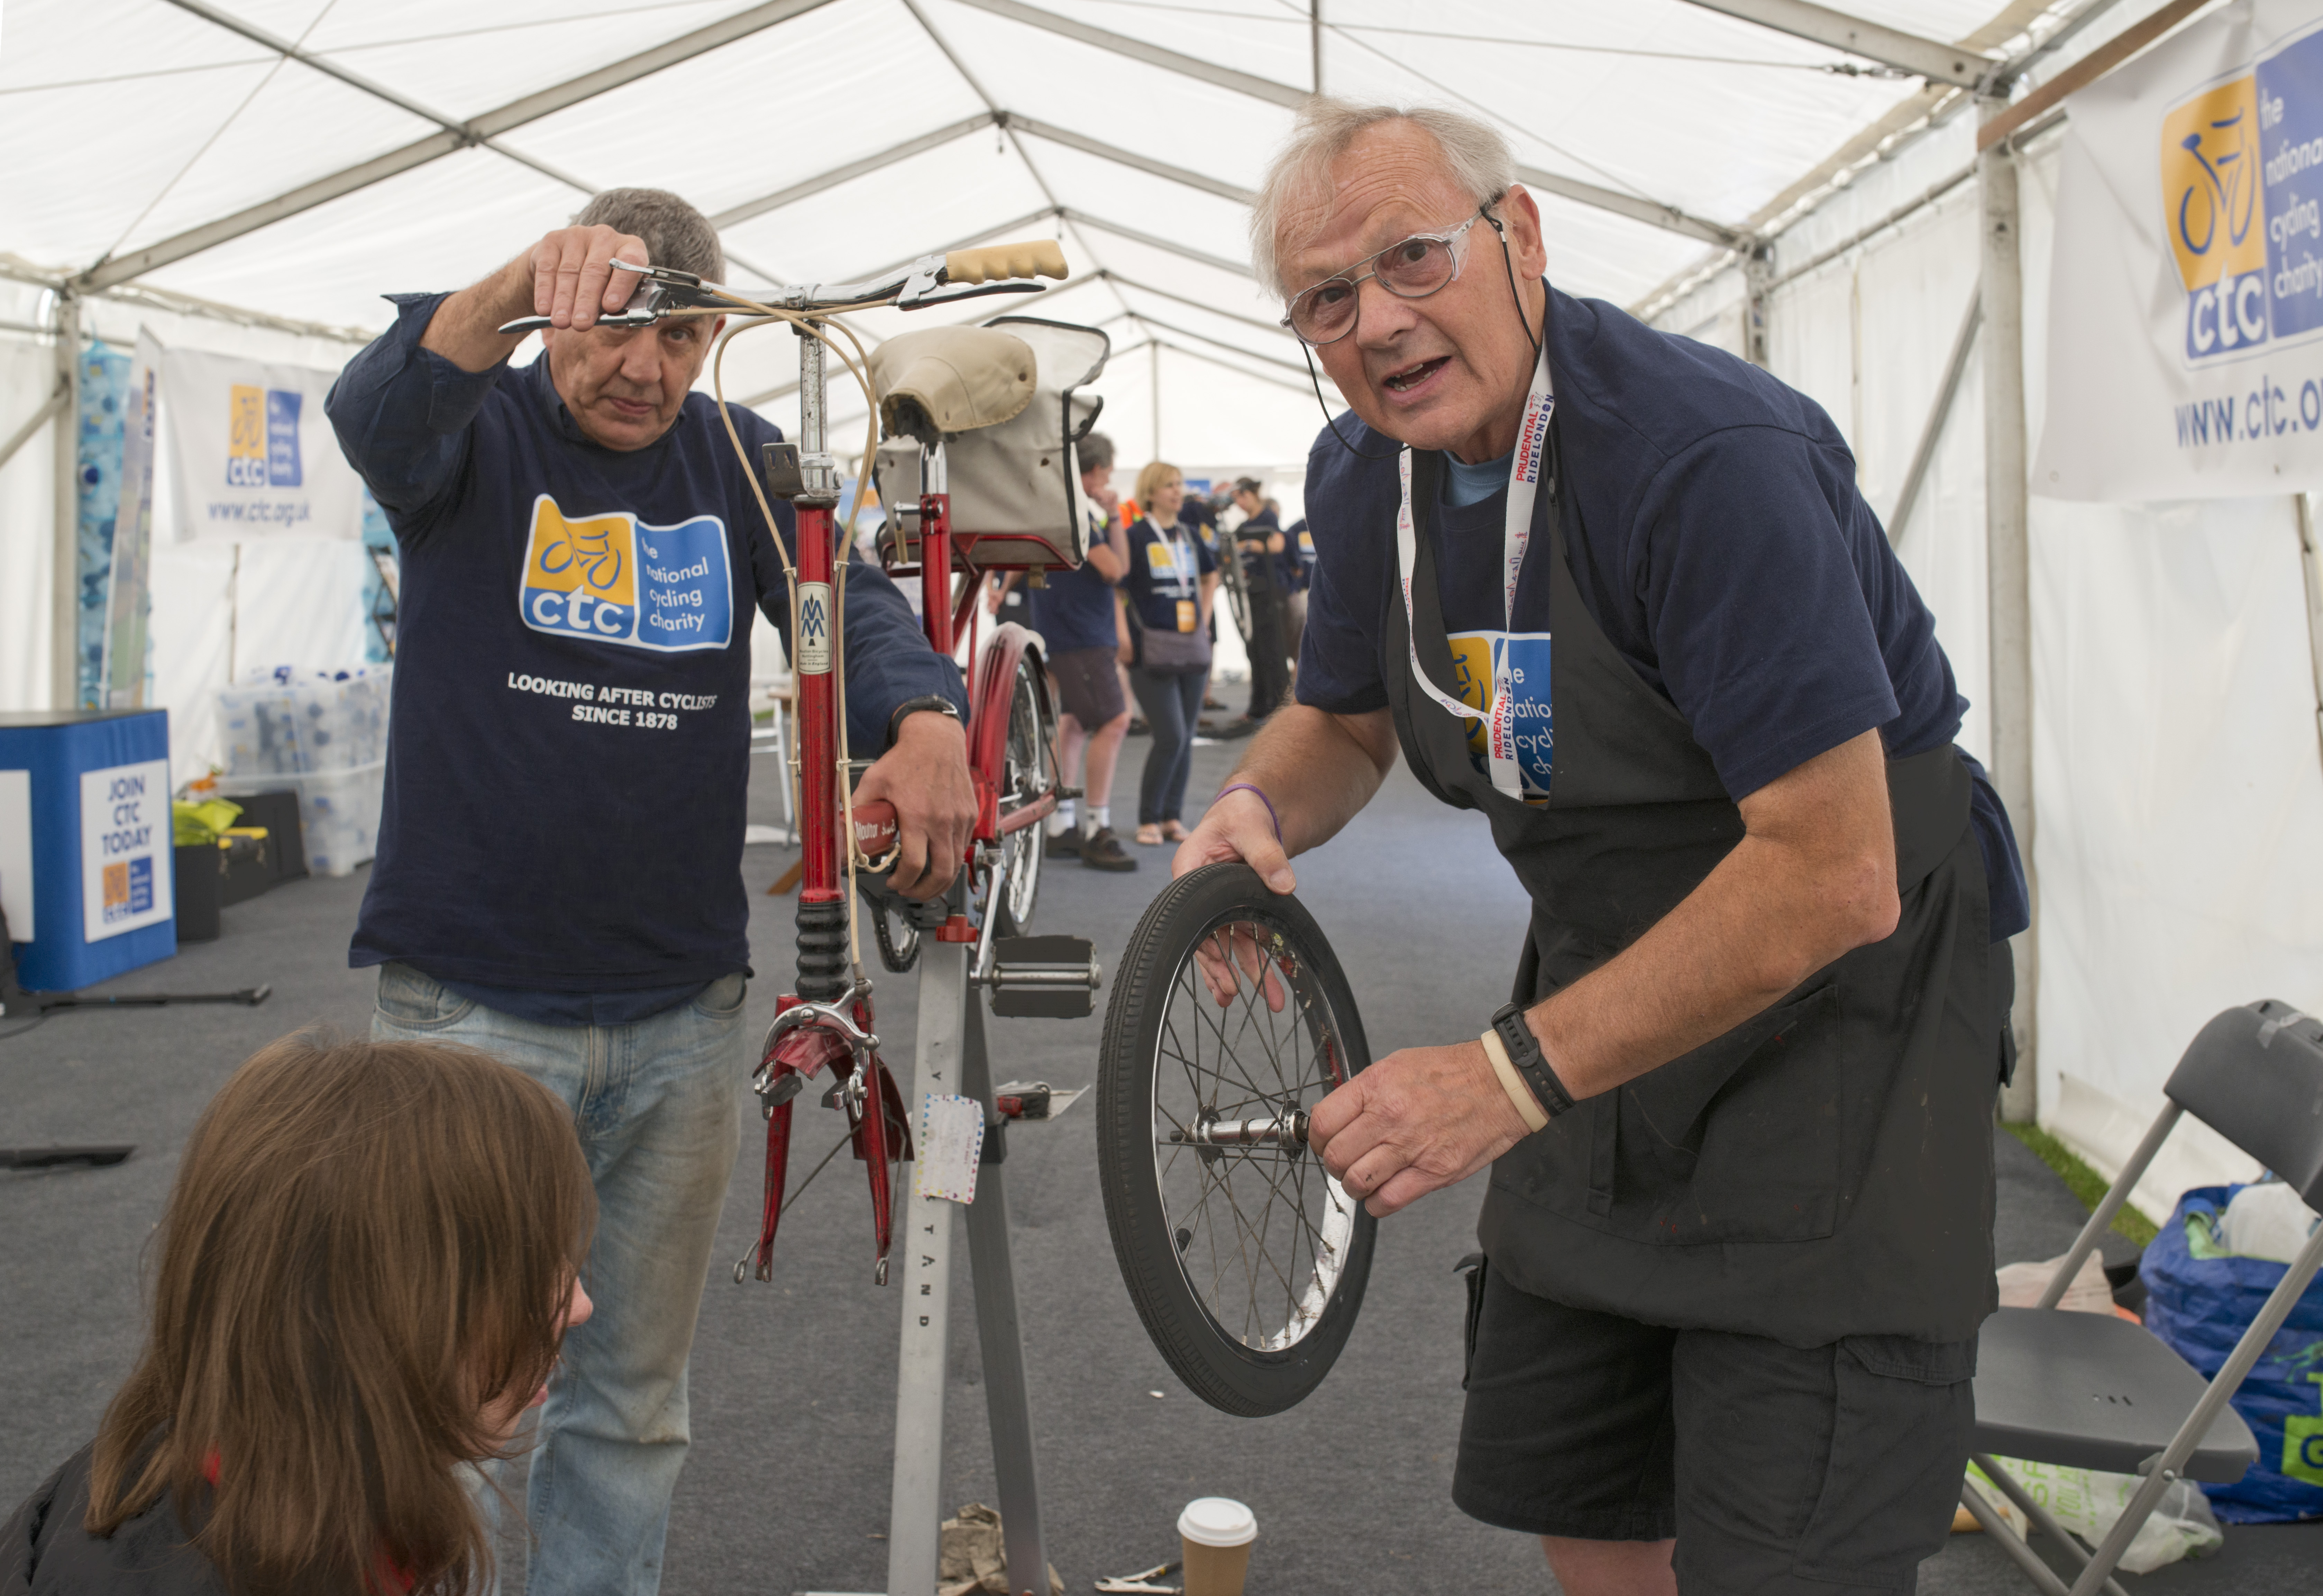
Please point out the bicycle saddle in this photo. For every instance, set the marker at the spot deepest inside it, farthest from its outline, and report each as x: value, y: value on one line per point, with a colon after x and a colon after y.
x: 941, y: 382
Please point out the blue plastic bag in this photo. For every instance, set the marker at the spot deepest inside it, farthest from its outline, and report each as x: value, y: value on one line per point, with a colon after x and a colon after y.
x: 2199, y: 1307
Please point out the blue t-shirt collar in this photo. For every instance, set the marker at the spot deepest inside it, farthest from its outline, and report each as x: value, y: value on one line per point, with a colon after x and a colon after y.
x: 1472, y: 484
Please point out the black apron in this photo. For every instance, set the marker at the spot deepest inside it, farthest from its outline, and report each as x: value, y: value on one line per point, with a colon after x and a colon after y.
x: 1824, y: 1168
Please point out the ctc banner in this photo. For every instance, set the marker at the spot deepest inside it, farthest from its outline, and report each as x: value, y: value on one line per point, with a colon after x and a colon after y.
x: 253, y: 454
x: 2186, y: 292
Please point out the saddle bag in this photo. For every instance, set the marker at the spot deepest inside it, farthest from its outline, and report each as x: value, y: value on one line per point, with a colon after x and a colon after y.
x: 1006, y: 400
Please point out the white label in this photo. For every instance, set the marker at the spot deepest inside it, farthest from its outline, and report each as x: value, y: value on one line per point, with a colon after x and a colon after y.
x: 810, y: 638
x: 16, y: 852
x: 126, y: 837
x: 951, y: 1143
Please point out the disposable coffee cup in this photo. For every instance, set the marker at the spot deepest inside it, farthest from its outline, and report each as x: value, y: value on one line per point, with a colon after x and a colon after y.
x: 1215, y: 1532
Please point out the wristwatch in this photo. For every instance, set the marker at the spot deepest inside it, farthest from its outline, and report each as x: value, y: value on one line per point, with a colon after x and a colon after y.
x: 1524, y: 1052
x: 934, y: 701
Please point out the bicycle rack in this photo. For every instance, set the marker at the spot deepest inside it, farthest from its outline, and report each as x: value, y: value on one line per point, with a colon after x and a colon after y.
x: 1054, y: 973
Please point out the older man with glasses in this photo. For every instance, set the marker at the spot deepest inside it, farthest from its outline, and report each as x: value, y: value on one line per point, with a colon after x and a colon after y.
x: 1617, y: 590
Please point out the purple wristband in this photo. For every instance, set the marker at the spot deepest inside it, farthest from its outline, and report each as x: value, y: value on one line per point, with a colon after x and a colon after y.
x: 1262, y: 798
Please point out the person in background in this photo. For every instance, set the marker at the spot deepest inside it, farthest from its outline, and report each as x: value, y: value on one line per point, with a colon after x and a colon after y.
x: 1074, y: 614
x: 1172, y: 583
x: 559, y: 873
x: 1199, y: 515
x: 371, y: 1255
x: 1298, y: 574
x: 1260, y: 540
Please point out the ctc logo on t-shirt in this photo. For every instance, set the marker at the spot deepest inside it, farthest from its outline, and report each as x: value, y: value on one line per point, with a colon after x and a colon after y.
x: 1475, y: 657
x: 613, y: 579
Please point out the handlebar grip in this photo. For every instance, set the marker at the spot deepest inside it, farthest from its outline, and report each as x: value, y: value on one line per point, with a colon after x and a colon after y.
x: 876, y: 829
x: 1038, y: 257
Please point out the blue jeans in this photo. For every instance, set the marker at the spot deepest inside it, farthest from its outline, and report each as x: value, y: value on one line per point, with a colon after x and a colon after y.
x: 658, y: 1109
x: 1172, y: 706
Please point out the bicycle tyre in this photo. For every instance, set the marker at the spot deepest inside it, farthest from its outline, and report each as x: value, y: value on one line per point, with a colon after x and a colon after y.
x: 1029, y: 765
x: 1152, y: 1224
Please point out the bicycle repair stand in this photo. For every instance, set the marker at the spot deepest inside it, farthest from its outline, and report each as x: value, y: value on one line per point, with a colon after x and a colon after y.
x: 1028, y: 976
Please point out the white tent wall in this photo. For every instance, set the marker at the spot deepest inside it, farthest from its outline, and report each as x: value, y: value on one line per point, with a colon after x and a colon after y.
x: 2178, y: 779
x: 300, y: 600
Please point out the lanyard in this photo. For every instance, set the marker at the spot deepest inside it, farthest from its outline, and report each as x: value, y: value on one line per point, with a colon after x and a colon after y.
x: 1182, y: 563
x: 1524, y: 485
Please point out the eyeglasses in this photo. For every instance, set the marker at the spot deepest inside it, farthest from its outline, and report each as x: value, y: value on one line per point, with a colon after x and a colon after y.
x: 1410, y: 269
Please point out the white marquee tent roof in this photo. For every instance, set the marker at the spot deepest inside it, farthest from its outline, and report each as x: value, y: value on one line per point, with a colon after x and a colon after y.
x: 299, y: 157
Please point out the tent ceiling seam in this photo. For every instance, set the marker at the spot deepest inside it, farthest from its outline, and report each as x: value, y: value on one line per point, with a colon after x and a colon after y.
x: 1652, y: 214
x: 532, y: 108
x: 1924, y: 58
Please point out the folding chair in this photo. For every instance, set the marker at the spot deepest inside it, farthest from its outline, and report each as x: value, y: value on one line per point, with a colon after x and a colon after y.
x: 2087, y: 1390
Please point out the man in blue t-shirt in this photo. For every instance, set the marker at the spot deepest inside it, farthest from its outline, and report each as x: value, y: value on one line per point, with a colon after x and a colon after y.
x: 1617, y: 591
x: 558, y: 874
x: 1075, y: 613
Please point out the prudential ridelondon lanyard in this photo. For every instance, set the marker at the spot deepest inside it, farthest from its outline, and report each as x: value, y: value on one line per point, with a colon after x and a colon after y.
x: 1524, y: 485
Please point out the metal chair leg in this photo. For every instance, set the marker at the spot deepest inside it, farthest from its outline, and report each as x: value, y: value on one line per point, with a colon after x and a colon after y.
x: 2043, y: 1520
x: 1994, y: 1526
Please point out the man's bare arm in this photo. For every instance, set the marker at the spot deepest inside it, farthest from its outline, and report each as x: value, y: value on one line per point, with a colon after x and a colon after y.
x: 567, y: 277
x: 1813, y: 879
x: 1316, y: 768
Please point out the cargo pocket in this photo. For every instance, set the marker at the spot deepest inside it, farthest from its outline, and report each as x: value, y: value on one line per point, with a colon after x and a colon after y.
x: 1471, y: 1269
x: 1905, y: 1413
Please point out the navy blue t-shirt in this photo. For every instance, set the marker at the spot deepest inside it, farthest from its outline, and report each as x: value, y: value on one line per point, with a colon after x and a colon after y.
x: 1727, y: 555
x: 568, y: 751
x: 1165, y: 568
x: 1075, y: 609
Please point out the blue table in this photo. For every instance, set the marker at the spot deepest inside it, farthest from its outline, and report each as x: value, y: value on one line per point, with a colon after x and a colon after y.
x: 85, y: 805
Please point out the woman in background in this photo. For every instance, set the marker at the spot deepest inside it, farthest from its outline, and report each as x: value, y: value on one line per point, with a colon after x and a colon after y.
x: 369, y: 1256
x: 1171, y: 582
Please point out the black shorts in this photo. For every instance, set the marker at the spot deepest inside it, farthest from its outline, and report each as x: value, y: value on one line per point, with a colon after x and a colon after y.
x: 1829, y: 1470
x: 1089, y: 686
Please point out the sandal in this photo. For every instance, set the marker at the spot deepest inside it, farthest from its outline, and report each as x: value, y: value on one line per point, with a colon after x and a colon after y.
x: 1149, y: 835
x: 1173, y: 831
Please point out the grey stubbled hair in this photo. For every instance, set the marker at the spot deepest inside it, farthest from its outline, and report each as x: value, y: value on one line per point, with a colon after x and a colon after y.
x: 676, y: 235
x: 1477, y: 157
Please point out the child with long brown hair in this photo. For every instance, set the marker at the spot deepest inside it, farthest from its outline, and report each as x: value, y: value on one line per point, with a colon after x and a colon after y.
x: 369, y: 1259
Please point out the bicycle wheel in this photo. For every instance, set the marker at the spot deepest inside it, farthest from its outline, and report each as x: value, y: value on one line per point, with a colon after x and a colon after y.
x: 1029, y: 773
x: 1245, y: 1257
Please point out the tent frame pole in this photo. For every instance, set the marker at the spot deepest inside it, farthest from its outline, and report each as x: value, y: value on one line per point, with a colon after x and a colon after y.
x: 64, y: 549
x: 2310, y: 564
x: 2008, y: 570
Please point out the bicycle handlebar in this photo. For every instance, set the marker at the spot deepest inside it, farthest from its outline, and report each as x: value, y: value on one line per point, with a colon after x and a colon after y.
x: 1035, y: 258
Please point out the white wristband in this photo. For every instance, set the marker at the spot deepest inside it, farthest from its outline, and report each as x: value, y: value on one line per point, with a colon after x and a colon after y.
x: 1513, y: 1084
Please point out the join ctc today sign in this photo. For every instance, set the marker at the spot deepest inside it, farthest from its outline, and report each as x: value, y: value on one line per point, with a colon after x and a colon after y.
x: 2186, y: 294
x: 127, y: 837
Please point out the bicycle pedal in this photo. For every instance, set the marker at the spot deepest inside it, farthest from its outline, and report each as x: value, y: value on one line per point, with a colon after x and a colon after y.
x: 1044, y: 978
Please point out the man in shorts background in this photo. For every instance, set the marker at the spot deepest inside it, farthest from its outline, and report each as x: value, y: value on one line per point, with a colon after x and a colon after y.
x: 1074, y: 614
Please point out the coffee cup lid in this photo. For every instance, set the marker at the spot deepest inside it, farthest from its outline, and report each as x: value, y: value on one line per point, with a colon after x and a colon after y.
x: 1217, y: 1521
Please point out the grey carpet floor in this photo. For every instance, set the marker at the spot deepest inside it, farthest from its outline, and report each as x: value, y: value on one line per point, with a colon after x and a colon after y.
x: 793, y: 1382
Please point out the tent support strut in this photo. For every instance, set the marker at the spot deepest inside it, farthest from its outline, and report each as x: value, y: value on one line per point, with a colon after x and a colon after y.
x: 2008, y: 570
x: 1925, y: 453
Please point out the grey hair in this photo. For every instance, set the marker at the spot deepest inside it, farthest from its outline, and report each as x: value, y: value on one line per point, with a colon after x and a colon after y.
x: 1095, y: 452
x: 1475, y: 153
x: 676, y: 235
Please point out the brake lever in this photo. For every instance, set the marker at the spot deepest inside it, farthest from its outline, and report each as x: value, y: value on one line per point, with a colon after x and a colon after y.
x: 660, y: 289
x: 944, y: 294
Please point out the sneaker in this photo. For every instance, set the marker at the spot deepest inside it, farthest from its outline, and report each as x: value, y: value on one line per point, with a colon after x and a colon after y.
x: 1102, y: 850
x: 1064, y: 844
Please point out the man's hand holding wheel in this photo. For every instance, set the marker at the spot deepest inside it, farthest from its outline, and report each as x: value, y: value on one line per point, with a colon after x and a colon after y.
x: 1417, y: 1121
